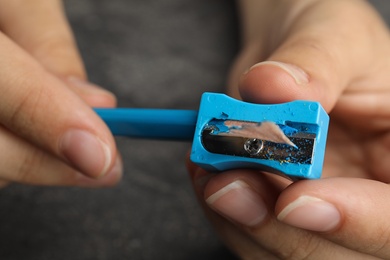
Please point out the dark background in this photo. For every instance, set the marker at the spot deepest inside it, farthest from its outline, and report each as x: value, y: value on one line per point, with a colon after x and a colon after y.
x: 160, y: 54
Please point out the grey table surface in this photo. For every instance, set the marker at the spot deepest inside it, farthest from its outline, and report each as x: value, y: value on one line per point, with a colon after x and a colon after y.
x: 160, y: 54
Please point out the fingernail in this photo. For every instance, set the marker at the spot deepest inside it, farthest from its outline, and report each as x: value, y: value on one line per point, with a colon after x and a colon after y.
x: 117, y: 170
x: 311, y: 213
x: 294, y: 71
x: 239, y: 202
x: 108, y: 180
x: 85, y: 85
x: 86, y: 152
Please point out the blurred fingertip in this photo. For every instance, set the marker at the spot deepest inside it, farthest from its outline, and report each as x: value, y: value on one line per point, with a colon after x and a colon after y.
x: 239, y: 202
x: 108, y: 180
x: 87, y: 152
x: 92, y: 94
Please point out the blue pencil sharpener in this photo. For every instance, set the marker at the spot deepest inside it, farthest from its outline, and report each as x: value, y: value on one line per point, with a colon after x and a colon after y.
x: 287, y: 139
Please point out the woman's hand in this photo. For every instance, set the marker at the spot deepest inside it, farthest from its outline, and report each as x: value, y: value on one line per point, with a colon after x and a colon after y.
x: 336, y: 52
x: 49, y: 135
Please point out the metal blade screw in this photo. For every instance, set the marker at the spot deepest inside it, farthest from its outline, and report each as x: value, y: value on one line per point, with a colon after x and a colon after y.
x: 253, y: 146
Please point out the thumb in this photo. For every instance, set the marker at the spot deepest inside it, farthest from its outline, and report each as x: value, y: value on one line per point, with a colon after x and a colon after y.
x: 318, y: 59
x: 350, y: 212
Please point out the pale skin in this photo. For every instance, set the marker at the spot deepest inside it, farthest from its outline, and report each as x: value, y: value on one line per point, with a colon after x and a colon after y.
x: 49, y: 134
x: 336, y: 52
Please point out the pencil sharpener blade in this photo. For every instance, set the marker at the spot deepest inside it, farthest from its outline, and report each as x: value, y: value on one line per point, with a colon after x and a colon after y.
x: 304, y: 123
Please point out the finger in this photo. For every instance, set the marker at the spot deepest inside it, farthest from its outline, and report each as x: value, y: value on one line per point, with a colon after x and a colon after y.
x: 40, y: 108
x: 24, y: 163
x: 92, y: 94
x: 237, y: 241
x: 41, y: 28
x: 320, y: 54
x: 248, y: 56
x: 351, y: 212
x: 246, y: 199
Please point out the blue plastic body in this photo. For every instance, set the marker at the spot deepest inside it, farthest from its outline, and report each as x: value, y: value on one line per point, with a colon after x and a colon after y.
x: 150, y: 123
x: 306, y: 116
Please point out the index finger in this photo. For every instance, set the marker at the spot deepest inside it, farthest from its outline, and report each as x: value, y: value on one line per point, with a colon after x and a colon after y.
x: 40, y: 27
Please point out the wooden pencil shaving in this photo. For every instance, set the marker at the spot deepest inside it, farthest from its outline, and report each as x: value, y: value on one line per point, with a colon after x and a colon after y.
x: 267, y: 130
